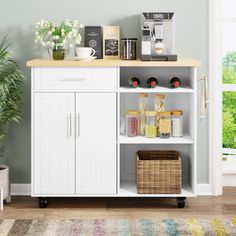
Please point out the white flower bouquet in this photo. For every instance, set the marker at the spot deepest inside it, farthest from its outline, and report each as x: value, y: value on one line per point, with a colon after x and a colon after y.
x: 57, y: 36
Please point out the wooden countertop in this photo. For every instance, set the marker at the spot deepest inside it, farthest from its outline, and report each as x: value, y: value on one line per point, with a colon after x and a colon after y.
x: 112, y: 63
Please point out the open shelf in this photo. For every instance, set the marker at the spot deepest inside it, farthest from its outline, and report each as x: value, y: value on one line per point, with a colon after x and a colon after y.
x: 186, y: 139
x: 128, y: 168
x: 158, y: 89
x: 128, y: 189
x: 183, y: 98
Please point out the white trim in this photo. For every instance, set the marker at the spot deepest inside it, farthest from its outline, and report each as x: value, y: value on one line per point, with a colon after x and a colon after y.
x: 204, y: 189
x: 20, y: 189
x: 229, y: 180
x: 229, y: 151
x: 25, y: 189
x: 215, y: 92
x: 228, y: 87
x: 229, y: 20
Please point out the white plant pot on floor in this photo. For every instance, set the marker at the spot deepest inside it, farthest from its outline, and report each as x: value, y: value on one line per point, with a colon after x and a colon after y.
x: 5, y: 182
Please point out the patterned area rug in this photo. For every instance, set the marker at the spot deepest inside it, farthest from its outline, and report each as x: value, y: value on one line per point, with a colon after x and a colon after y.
x: 122, y: 227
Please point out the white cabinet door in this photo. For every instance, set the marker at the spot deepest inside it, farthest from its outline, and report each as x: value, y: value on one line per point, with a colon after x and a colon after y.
x: 95, y: 143
x: 53, y: 144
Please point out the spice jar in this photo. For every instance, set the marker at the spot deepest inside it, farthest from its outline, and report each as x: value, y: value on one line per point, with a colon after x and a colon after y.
x: 177, y: 123
x: 159, y: 106
x: 150, y: 126
x: 142, y: 106
x: 165, y: 124
x: 132, y: 123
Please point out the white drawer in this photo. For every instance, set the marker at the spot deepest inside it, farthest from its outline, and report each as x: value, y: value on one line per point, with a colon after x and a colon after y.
x: 71, y: 79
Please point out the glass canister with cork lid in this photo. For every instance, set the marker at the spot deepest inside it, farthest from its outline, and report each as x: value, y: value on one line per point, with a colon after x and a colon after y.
x: 177, y: 123
x: 132, y: 123
x: 159, y: 106
x: 142, y: 105
x: 165, y: 124
x: 150, y: 126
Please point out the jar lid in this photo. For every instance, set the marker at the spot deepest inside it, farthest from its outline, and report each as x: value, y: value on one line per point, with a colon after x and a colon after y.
x: 143, y: 95
x: 177, y: 112
x: 165, y: 113
x: 161, y: 96
x: 132, y: 112
x: 150, y: 113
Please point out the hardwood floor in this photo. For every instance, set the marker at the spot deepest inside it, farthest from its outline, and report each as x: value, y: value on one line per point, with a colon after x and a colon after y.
x: 200, y: 207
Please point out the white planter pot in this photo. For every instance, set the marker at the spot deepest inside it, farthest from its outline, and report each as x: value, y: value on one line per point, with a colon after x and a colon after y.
x: 5, y: 182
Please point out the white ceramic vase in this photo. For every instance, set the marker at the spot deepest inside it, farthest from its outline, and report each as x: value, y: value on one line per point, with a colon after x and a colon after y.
x: 5, y: 182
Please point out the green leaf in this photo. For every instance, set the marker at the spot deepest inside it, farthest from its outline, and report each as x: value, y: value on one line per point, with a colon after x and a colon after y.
x: 11, y: 95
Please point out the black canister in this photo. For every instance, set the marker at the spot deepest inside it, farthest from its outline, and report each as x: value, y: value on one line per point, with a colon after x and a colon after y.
x: 128, y: 48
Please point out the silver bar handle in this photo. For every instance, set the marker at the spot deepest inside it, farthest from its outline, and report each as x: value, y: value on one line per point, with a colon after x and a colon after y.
x: 78, y: 124
x: 69, y: 125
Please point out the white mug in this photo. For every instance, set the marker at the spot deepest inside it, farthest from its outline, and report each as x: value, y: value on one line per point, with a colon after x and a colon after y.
x: 85, y: 52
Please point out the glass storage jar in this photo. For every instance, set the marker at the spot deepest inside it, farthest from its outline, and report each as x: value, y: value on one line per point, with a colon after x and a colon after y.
x: 165, y: 124
x: 128, y: 48
x: 142, y: 106
x: 132, y: 123
x: 150, y: 124
x: 177, y: 123
x: 159, y: 106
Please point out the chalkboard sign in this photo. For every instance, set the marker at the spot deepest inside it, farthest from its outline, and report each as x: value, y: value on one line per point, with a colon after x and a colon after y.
x: 111, y: 47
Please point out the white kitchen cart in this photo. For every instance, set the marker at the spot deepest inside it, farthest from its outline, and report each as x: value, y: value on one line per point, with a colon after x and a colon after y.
x: 78, y: 148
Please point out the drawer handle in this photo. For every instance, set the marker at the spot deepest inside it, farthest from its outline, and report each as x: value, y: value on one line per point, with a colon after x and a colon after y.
x: 78, y: 124
x: 73, y: 80
x: 69, y: 125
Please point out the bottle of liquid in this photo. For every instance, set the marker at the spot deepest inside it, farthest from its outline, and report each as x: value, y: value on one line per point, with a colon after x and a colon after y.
x: 175, y: 82
x: 152, y: 82
x: 134, y: 82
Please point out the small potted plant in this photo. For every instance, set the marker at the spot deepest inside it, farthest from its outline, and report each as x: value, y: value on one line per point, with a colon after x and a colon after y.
x: 58, y: 37
x: 11, y: 81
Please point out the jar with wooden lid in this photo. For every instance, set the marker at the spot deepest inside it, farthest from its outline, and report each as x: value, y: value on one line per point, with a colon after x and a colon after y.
x: 150, y: 125
x: 177, y: 123
x: 132, y: 123
x: 165, y: 124
x: 142, y: 106
x: 159, y: 106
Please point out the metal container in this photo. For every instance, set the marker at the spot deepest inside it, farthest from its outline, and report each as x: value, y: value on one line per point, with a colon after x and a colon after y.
x: 128, y: 48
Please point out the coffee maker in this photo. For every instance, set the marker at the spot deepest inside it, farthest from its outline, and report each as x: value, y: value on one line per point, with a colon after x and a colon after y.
x: 157, y: 36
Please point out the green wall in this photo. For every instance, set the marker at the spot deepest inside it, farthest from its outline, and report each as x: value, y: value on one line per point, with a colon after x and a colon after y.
x: 18, y: 19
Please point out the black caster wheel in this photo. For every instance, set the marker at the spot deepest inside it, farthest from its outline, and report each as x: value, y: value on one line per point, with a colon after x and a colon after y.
x: 43, y: 202
x: 181, y: 202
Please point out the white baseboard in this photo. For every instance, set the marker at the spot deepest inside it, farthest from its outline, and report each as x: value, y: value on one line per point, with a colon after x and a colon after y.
x: 20, y: 189
x: 229, y: 180
x: 25, y: 189
x: 204, y: 189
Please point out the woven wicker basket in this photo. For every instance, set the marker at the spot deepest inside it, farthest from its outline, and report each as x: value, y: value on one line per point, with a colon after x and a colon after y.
x: 158, y: 172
